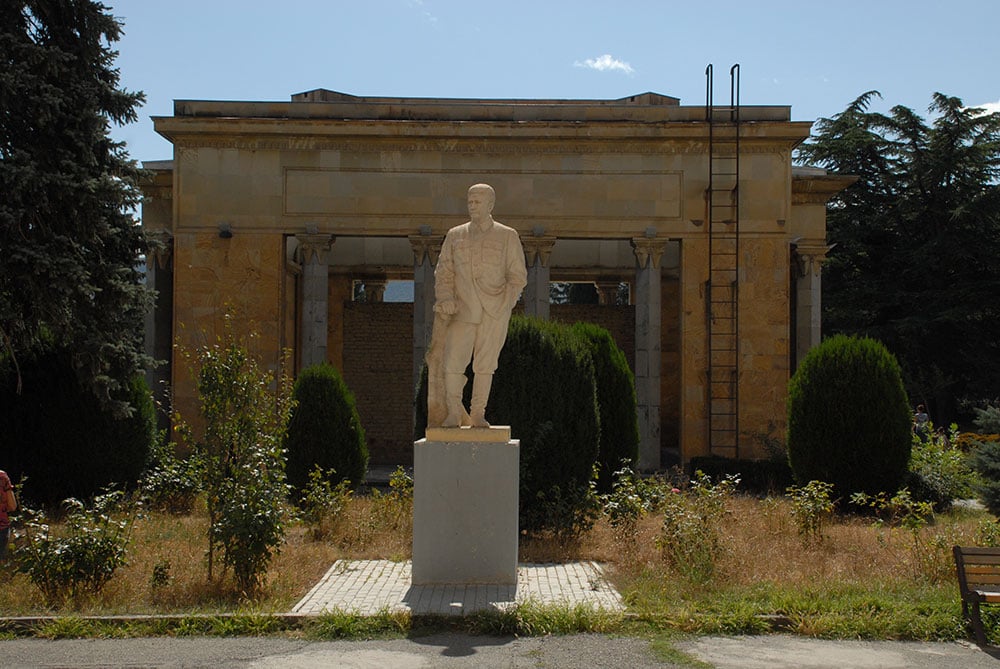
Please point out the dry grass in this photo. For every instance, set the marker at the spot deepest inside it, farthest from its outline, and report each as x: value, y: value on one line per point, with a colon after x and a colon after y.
x: 760, y: 546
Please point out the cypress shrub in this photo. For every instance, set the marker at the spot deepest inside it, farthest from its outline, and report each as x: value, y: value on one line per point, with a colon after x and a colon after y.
x: 57, y: 433
x: 324, y: 430
x: 848, y: 418
x: 615, y: 401
x: 545, y: 389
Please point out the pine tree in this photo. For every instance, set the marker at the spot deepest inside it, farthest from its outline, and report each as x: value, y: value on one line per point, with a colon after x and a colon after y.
x: 916, y: 240
x: 68, y: 238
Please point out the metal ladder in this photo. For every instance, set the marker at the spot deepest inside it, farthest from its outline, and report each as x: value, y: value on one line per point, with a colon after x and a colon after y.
x: 722, y: 216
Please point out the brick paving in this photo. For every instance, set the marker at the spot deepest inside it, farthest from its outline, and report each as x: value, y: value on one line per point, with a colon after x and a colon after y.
x: 367, y: 587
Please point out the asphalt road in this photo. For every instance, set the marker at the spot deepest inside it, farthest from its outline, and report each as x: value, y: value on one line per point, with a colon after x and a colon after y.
x: 459, y: 650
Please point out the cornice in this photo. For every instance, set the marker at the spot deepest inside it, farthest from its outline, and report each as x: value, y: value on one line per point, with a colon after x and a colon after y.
x: 819, y: 189
x: 484, y: 145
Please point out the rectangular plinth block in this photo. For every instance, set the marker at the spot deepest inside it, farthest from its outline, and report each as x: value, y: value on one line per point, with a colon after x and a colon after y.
x: 492, y: 434
x: 465, y: 496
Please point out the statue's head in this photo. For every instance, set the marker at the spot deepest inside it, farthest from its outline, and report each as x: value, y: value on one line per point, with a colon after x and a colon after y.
x: 484, y: 194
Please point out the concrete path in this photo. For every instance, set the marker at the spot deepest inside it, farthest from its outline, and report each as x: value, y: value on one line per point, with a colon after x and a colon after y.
x: 367, y: 587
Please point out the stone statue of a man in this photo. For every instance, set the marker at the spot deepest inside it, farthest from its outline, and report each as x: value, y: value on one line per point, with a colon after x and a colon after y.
x: 479, y: 276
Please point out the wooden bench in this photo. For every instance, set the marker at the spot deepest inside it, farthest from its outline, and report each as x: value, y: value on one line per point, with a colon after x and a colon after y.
x: 978, y: 571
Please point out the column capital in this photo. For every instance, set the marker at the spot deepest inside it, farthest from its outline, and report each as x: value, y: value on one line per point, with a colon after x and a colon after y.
x: 537, y: 247
x: 426, y: 246
x: 809, y: 258
x: 314, y: 248
x: 159, y: 248
x: 649, y: 250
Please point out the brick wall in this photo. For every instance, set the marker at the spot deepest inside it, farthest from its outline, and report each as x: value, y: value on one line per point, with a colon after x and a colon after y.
x: 378, y: 363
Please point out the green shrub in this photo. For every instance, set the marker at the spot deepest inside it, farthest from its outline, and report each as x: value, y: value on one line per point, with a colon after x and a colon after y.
x: 940, y: 472
x: 690, y: 539
x: 615, y: 401
x: 324, y: 430
x: 848, y: 418
x: 545, y: 389
x: 57, y: 433
x: 170, y: 483
x: 811, y: 506
x: 756, y: 476
x: 84, y: 556
x: 321, y: 503
x: 239, y: 454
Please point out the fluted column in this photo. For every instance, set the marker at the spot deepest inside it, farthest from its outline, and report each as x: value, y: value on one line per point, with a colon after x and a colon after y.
x: 314, y: 256
x: 648, y: 316
x: 537, y: 249
x: 808, y: 306
x: 426, y: 248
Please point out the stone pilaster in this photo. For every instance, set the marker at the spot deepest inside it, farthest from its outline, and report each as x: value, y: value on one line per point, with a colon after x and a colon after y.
x: 809, y: 260
x: 648, y: 316
x: 314, y: 256
x: 159, y: 336
x: 426, y: 248
x: 536, y: 293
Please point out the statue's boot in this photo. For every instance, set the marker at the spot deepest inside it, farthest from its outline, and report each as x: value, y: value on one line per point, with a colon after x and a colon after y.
x: 453, y: 386
x: 481, y: 384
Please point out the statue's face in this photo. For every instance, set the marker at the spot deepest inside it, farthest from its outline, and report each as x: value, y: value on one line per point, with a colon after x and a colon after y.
x: 480, y: 204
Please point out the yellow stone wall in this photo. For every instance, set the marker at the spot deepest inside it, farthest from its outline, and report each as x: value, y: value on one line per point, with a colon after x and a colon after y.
x: 244, y: 275
x: 764, y: 337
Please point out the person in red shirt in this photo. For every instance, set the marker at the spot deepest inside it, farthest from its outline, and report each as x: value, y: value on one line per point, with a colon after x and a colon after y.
x: 8, y: 503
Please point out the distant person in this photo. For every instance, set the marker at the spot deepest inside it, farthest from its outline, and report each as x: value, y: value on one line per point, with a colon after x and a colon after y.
x: 921, y: 423
x: 8, y: 504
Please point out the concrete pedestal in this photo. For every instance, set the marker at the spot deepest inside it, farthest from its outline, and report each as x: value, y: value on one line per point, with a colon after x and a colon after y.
x: 465, y: 495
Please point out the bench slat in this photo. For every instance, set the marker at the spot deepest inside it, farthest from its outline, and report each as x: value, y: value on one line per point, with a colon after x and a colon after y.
x: 978, y: 571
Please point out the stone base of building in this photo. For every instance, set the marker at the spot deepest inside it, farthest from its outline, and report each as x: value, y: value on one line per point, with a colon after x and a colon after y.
x: 465, y: 503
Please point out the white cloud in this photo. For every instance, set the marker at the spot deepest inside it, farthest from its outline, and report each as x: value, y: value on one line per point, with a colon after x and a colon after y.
x: 989, y: 107
x: 606, y: 63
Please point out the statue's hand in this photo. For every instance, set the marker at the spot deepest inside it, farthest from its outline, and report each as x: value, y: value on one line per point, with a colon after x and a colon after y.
x: 446, y: 307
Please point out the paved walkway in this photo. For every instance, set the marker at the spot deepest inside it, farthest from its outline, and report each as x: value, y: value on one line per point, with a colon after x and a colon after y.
x: 367, y: 587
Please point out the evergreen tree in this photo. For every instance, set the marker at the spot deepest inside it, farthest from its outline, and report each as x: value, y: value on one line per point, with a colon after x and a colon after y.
x: 916, y: 241
x: 69, y: 241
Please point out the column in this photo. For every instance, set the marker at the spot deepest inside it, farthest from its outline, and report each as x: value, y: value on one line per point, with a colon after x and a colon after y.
x: 426, y: 248
x: 314, y: 256
x: 537, y: 249
x: 375, y: 290
x: 159, y: 320
x: 808, y: 320
x: 648, y: 316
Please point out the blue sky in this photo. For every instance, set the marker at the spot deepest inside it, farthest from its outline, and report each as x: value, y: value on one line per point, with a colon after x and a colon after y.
x: 813, y: 56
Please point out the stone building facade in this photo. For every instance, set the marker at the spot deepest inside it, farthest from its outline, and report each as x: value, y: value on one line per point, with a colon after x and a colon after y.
x: 276, y: 211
